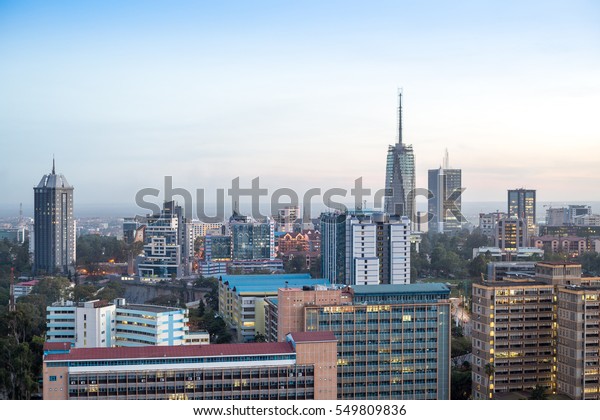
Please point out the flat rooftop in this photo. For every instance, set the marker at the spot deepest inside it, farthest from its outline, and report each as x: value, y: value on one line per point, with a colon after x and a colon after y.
x: 161, y: 352
x: 149, y: 308
x: 413, y: 288
x: 270, y: 282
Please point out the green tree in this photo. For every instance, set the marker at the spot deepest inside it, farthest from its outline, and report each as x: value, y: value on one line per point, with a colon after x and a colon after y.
x: 84, y: 292
x: 538, y: 393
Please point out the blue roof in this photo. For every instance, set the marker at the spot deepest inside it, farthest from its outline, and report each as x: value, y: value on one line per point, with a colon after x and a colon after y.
x: 270, y: 282
x: 414, y: 288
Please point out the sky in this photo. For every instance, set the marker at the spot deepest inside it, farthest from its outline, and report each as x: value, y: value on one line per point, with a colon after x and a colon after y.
x: 300, y: 94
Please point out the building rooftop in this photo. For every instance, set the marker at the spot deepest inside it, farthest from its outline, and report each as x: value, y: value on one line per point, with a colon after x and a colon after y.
x: 150, y: 308
x: 270, y: 282
x: 313, y: 336
x: 380, y: 289
x: 160, y: 352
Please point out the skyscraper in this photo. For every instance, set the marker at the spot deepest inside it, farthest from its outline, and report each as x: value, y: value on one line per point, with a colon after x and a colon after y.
x: 521, y: 204
x: 445, y: 185
x: 400, y: 176
x: 54, y: 226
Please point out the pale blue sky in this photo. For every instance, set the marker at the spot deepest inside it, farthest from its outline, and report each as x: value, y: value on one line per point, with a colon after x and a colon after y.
x: 301, y: 94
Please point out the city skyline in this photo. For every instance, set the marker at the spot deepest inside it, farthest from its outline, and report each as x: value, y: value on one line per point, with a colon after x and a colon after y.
x: 301, y: 96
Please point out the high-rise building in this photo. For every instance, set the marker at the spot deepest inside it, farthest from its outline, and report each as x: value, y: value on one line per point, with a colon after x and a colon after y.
x: 162, y: 247
x: 511, y: 234
x: 54, y: 225
x: 488, y: 223
x: 400, y: 176
x: 252, y: 240
x: 513, y: 333
x: 365, y: 247
x: 578, y: 350
x: 377, y: 248
x: 333, y: 247
x: 445, y: 184
x: 393, y: 340
x: 522, y: 204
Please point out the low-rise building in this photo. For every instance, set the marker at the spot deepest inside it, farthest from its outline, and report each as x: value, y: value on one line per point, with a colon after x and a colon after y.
x: 301, y: 368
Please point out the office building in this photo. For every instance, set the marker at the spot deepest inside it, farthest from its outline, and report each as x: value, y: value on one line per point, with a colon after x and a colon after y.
x: 301, y: 368
x: 578, y: 350
x: 286, y: 218
x: 333, y: 247
x: 251, y: 240
x: 54, y: 225
x: 242, y: 298
x: 522, y: 205
x: 488, y: 223
x: 445, y: 185
x: 365, y: 247
x: 513, y: 330
x: 572, y: 246
x: 162, y: 247
x: 511, y: 234
x: 393, y: 340
x: 400, y: 175
x: 98, y: 323
x: 377, y: 248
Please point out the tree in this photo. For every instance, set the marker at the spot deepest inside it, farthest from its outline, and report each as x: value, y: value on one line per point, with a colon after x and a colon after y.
x: 538, y: 393
x: 84, y: 292
x: 260, y: 338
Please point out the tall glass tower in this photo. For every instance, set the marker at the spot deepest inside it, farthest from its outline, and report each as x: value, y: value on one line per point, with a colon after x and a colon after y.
x: 400, y: 176
x: 522, y: 204
x: 54, y: 225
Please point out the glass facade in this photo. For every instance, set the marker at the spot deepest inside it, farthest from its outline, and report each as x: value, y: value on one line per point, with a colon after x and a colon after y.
x: 391, y: 345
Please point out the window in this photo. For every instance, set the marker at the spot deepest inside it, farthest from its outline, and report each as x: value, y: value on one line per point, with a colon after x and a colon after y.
x: 52, y: 378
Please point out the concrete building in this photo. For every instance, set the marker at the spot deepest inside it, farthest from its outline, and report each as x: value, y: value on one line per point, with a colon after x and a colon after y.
x: 54, y: 225
x: 578, y: 349
x: 86, y: 324
x: 498, y: 270
x: 150, y: 325
x: 522, y: 205
x: 365, y: 247
x: 513, y: 330
x: 445, y: 185
x: 377, y: 249
x: 517, y: 254
x: 286, y: 218
x: 242, y: 298
x: 393, y: 340
x: 570, y: 245
x: 162, y: 247
x: 301, y: 368
x: 400, y: 175
x: 197, y: 337
x: 537, y: 332
x: 488, y: 223
x: 102, y: 324
x: 511, y: 233
x: 251, y: 240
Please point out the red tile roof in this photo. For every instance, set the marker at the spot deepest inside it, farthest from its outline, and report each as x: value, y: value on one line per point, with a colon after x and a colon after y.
x: 150, y: 352
x: 313, y: 336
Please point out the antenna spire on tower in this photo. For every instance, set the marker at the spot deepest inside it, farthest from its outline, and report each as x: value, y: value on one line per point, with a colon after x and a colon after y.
x: 53, y: 172
x: 400, y: 116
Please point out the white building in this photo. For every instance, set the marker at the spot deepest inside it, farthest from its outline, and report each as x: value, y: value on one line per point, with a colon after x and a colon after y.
x: 101, y: 324
x: 377, y: 248
x: 86, y: 324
